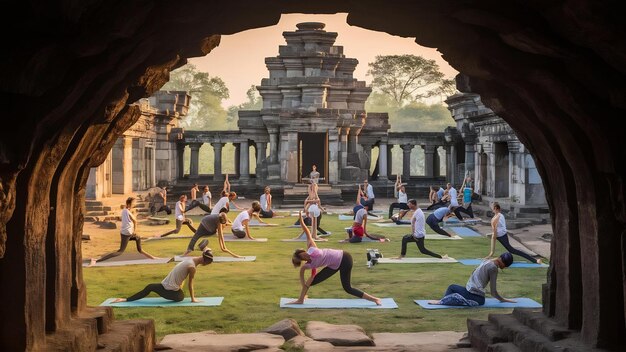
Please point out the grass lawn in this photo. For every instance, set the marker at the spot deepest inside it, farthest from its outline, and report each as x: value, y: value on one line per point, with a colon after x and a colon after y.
x: 252, y: 290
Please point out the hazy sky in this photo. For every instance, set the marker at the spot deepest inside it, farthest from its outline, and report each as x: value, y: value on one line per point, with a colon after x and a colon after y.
x: 240, y: 58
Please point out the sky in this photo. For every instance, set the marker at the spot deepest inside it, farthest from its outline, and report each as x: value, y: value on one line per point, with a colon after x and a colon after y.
x: 239, y: 60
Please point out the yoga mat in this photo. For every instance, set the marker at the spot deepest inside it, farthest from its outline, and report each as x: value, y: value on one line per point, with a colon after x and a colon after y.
x: 300, y: 239
x: 415, y: 260
x: 259, y: 224
x: 165, y: 238
x: 489, y: 303
x: 162, y: 302
x: 346, y: 217
x: 428, y: 237
x: 389, y: 224
x: 179, y: 258
x: 128, y: 258
x: 231, y: 238
x: 465, y: 232
x: 457, y: 222
x: 323, y: 303
x: 474, y: 262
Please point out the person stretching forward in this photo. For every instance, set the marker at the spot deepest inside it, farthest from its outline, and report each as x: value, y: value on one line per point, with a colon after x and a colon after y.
x: 332, y: 261
x: 241, y: 225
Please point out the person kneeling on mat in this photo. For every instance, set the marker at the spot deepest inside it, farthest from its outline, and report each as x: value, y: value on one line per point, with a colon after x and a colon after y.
x: 473, y: 294
x: 332, y: 260
x: 210, y: 225
x: 171, y: 287
x: 359, y: 228
x: 241, y: 225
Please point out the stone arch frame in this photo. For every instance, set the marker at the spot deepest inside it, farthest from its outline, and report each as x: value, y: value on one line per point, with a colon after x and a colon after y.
x: 74, y: 68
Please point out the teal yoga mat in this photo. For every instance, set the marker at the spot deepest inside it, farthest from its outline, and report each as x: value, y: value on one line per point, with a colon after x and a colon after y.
x: 326, y: 303
x: 465, y: 232
x: 162, y: 302
x: 489, y: 303
x: 474, y: 262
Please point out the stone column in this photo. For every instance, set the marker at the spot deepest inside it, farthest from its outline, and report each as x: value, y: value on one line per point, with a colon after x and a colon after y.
x: 382, y: 161
x: 436, y: 163
x: 194, y: 163
x: 352, y: 140
x: 367, y: 151
x: 333, y: 156
x: 406, y: 160
x: 389, y: 159
x: 261, y: 149
x: 470, y: 154
x: 448, y: 162
x: 273, y: 146
x: 429, y: 160
x: 217, y: 162
x: 180, y: 160
x: 343, y: 147
x: 244, y: 161
x: 127, y: 164
x: 453, y: 164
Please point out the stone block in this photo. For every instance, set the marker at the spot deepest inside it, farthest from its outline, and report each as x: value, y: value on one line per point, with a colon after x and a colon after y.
x: 209, y: 341
x: 106, y: 225
x: 503, y: 347
x: 338, y: 335
x: 128, y: 336
x: 536, y: 320
x: 287, y: 328
x: 417, y: 341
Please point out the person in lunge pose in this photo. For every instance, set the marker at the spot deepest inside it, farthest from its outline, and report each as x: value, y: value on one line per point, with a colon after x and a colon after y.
x: 157, y: 198
x: 171, y: 287
x: 127, y: 233
x: 438, y: 216
x: 473, y: 294
x: 180, y: 217
x: 498, y: 224
x: 332, y: 261
x: 402, y: 199
x: 418, y: 232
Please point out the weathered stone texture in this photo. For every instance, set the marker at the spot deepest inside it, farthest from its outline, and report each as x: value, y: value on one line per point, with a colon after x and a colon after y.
x: 554, y: 71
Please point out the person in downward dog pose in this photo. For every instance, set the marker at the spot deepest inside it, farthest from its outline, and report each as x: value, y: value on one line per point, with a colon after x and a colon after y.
x: 498, y: 224
x: 473, y: 294
x: 331, y: 260
x: 171, y: 287
x: 418, y: 232
x: 210, y: 225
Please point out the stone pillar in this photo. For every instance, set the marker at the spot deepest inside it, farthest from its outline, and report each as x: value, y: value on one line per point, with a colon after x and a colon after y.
x: 448, y: 162
x: 389, y: 160
x: 261, y: 150
x: 453, y: 164
x: 194, y: 163
x: 470, y: 154
x: 352, y: 141
x: 273, y: 147
x: 367, y: 163
x: 127, y: 164
x: 436, y: 163
x: 217, y: 162
x: 236, y: 158
x: 180, y: 161
x: 406, y: 160
x: 333, y: 156
x: 343, y: 147
x: 244, y: 161
x: 517, y: 171
x: 382, y: 162
x: 429, y: 161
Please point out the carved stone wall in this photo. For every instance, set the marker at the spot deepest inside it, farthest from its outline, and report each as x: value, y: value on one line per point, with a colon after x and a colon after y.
x: 554, y: 71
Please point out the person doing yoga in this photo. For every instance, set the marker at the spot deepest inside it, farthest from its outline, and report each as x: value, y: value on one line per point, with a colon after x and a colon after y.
x: 266, y: 203
x: 498, y: 224
x: 418, y: 232
x: 210, y: 225
x: 180, y: 218
x: 231, y: 195
x: 332, y: 261
x: 359, y: 228
x: 402, y: 200
x: 438, y: 216
x: 171, y: 287
x: 127, y: 233
x: 241, y: 225
x: 473, y: 294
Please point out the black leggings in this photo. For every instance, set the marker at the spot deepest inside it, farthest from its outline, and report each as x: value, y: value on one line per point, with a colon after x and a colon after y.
x: 123, y: 244
x: 433, y: 222
x: 467, y: 211
x: 194, y: 203
x: 504, y: 240
x: 179, y: 225
x: 308, y: 222
x: 420, y: 245
x: 393, y: 206
x: 175, y: 296
x: 345, y: 271
x: 437, y: 205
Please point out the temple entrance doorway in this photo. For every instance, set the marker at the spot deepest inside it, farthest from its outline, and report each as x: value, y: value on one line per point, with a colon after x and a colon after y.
x: 312, y: 149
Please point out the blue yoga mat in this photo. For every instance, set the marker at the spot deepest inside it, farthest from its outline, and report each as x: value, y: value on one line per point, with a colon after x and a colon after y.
x: 465, y: 232
x: 474, y: 262
x: 318, y: 303
x: 489, y: 303
x: 162, y: 302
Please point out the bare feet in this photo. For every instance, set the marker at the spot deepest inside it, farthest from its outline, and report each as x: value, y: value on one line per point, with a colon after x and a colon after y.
x: 445, y: 256
x: 434, y: 302
x: 539, y: 261
x: 117, y: 300
x: 92, y: 262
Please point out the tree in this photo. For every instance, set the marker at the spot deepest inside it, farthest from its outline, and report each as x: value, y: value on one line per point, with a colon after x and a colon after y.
x: 254, y: 103
x: 207, y: 93
x: 407, y: 78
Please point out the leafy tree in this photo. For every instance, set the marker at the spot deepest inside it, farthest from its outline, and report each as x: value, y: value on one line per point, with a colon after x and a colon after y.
x: 407, y: 78
x: 254, y: 103
x: 207, y: 93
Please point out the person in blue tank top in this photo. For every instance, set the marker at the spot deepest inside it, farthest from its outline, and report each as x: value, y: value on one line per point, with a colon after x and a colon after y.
x: 438, y: 216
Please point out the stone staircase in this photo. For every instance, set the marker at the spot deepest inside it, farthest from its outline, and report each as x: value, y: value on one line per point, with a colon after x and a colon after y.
x: 294, y: 196
x: 109, y: 210
x: 96, y: 329
x: 526, y: 329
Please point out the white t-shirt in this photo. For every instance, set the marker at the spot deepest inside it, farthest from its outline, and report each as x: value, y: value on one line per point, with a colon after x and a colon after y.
x: 263, y: 201
x: 501, y: 227
x: 358, y: 218
x: 178, y: 212
x: 314, y: 210
x: 402, y: 197
x: 238, y: 223
x: 222, y: 203
x: 453, y: 197
x: 420, y: 224
x: 128, y: 227
x: 370, y: 192
x: 205, y: 198
x: 174, y: 280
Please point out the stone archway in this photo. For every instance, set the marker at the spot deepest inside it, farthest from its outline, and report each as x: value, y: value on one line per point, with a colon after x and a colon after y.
x: 553, y: 71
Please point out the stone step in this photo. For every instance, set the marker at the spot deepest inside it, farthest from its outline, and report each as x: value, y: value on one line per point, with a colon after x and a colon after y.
x: 94, y: 208
x: 521, y: 335
x: 536, y: 320
x: 128, y: 336
x: 483, y: 333
x: 96, y: 213
x: 102, y: 315
x: 534, y: 210
x: 503, y: 347
x: 93, y: 203
x: 80, y: 335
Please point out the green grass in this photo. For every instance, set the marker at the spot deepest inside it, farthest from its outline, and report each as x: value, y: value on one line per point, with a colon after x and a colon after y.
x: 252, y: 289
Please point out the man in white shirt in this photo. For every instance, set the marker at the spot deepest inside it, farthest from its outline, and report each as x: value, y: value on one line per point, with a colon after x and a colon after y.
x: 181, y: 220
x: 369, y: 194
x: 418, y: 232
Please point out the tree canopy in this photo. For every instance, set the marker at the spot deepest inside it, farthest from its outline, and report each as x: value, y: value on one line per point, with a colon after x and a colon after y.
x: 408, y: 78
x: 207, y: 93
